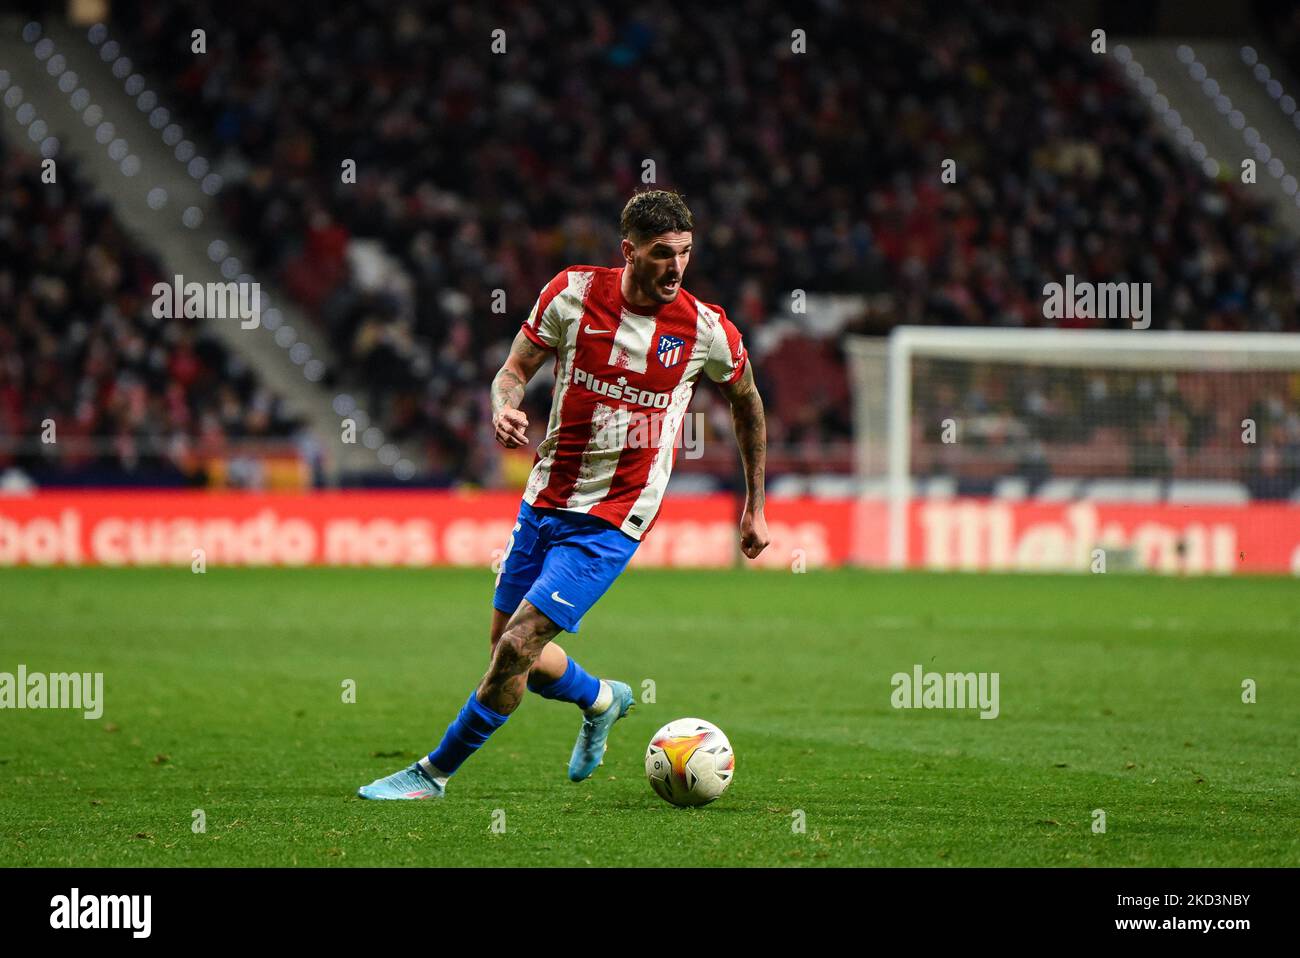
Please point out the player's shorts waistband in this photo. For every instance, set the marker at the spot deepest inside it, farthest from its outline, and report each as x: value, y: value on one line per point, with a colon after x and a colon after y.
x: 576, y: 518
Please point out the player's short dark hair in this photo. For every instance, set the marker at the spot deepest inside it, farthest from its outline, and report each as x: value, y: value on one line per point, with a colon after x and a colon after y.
x: 652, y: 212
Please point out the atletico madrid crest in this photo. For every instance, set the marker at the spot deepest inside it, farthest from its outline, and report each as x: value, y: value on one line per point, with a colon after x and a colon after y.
x: 670, y: 351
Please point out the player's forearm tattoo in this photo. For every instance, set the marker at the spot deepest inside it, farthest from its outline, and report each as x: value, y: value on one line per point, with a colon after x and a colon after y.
x: 750, y: 425
x: 507, y: 390
x: 508, y: 387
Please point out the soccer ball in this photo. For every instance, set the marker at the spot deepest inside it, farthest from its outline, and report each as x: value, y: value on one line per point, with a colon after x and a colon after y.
x: 689, y: 762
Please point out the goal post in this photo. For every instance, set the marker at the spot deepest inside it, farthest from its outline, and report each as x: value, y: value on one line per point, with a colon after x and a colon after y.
x: 1174, y: 446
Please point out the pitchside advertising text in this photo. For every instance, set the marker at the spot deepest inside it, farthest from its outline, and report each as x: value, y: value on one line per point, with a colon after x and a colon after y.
x: 440, y: 528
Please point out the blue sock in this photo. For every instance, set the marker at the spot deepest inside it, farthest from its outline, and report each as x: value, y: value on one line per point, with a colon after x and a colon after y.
x: 574, y: 686
x: 466, y: 734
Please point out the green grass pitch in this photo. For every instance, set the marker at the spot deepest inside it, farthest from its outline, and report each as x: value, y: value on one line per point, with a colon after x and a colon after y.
x: 224, y: 692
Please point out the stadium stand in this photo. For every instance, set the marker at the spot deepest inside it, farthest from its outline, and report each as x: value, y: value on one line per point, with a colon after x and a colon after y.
x: 479, y: 173
x: 132, y: 399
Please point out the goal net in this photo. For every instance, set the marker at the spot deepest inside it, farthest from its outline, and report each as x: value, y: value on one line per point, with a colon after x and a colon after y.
x: 1078, y: 450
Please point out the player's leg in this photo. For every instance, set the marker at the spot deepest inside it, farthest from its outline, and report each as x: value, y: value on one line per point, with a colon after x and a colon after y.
x: 580, y: 554
x: 555, y: 676
x: 485, y: 711
x: 584, y: 557
x: 550, y: 665
x: 513, y: 657
x: 521, y: 563
x: 497, y: 695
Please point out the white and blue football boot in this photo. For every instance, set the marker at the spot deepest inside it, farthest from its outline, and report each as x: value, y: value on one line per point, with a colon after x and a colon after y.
x: 412, y: 782
x: 593, y: 737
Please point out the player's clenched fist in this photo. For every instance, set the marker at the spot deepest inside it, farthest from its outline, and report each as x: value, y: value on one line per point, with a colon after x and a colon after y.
x: 753, y: 534
x: 511, y: 428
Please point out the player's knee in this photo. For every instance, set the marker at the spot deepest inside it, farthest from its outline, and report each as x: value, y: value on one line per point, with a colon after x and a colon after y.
x: 511, y: 655
x: 520, y: 645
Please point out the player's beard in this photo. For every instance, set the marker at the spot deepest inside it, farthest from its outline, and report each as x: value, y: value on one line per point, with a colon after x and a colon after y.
x: 649, y: 282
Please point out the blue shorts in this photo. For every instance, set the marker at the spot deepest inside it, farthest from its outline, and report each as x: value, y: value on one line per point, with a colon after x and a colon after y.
x: 561, y: 562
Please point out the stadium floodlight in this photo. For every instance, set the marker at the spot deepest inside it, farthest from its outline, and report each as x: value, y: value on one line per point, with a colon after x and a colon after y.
x: 1139, y: 417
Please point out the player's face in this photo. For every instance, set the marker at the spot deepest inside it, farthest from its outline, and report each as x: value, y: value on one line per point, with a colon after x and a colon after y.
x: 658, y: 265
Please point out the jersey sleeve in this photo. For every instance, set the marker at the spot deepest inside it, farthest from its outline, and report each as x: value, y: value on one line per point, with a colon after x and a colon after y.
x: 725, y: 362
x: 544, y: 324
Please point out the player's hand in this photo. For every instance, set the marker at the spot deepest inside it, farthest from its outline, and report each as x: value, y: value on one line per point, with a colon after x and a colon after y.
x: 753, y: 533
x: 510, y: 426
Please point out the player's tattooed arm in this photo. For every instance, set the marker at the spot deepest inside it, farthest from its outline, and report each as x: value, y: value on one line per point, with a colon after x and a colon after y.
x: 509, y: 422
x: 750, y: 425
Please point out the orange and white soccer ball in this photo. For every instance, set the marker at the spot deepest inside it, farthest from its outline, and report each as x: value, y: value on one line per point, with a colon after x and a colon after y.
x: 689, y: 762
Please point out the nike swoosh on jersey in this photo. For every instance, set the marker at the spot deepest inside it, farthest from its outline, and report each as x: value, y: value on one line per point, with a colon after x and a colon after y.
x: 595, y: 332
x: 556, y: 596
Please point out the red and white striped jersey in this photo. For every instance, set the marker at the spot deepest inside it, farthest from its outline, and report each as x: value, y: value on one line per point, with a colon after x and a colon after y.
x: 623, y: 379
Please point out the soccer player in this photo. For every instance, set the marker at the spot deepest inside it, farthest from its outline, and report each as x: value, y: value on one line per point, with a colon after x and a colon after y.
x: 628, y: 344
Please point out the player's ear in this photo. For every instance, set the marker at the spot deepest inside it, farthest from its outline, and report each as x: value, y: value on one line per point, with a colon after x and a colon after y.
x: 628, y: 249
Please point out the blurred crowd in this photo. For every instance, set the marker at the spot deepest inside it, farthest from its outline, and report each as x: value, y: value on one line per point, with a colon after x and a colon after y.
x: 480, y: 170
x: 981, y: 422
x: 92, y: 387
x: 495, y: 144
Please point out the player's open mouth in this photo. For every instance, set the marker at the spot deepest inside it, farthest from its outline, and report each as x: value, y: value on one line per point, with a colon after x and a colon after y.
x: 671, y: 285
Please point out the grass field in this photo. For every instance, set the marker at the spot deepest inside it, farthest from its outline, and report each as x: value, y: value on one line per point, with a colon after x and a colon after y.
x: 224, y: 693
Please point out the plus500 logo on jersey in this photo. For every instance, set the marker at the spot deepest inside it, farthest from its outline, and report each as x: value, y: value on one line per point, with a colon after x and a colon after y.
x: 621, y: 390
